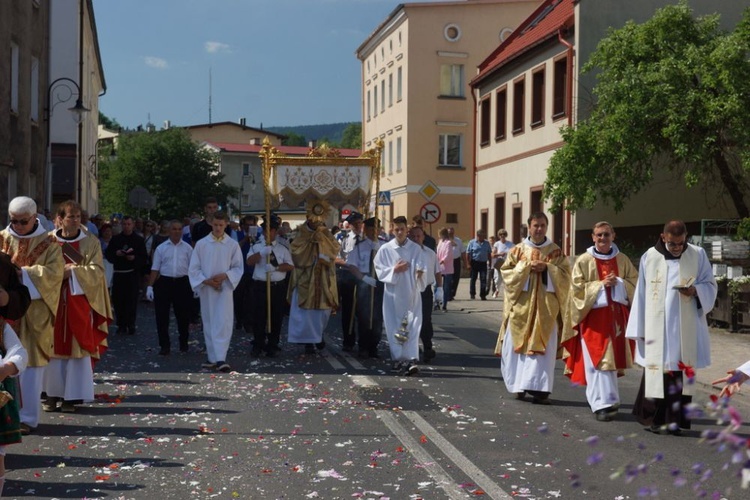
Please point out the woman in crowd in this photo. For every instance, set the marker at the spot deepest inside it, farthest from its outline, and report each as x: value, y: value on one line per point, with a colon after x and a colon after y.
x: 445, y: 260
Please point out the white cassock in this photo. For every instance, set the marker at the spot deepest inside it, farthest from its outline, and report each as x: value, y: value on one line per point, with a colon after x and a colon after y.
x: 211, y: 257
x: 306, y: 326
x: 401, y: 298
x: 669, y: 327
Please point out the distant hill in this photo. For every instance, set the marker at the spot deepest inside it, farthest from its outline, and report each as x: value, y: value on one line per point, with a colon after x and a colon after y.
x: 333, y: 131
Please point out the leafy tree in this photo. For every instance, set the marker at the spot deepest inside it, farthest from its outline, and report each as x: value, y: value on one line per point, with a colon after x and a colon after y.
x: 173, y: 168
x: 109, y: 123
x: 674, y: 93
x: 352, y: 138
x: 294, y: 139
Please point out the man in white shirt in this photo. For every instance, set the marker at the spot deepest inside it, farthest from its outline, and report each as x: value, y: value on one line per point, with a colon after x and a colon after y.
x: 458, y: 260
x: 271, y: 262
x: 169, y: 286
x: 347, y: 283
x: 431, y: 277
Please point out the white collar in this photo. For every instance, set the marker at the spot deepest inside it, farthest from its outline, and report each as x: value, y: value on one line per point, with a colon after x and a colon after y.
x: 81, y: 235
x: 592, y: 251
x: 39, y: 230
x: 547, y: 242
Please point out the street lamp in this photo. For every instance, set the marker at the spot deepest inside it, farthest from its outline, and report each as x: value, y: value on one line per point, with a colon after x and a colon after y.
x: 245, y: 174
x: 64, y: 89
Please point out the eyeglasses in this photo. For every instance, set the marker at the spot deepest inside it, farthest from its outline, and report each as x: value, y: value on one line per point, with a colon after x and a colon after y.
x: 19, y: 222
x: 603, y: 235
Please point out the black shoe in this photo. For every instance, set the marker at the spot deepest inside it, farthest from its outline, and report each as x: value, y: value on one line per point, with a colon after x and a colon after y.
x: 271, y: 352
x: 320, y: 345
x: 520, y: 395
x: 255, y: 353
x: 131, y: 330
x: 373, y: 354
x: 184, y: 348
x: 223, y: 367
x: 309, y: 349
x: 429, y: 355
x: 122, y: 330
x: 411, y: 369
x: 348, y: 348
x: 473, y: 297
x: 483, y: 297
x: 363, y: 353
x: 541, y: 399
x: 209, y: 365
x: 658, y: 429
x: 605, y: 414
x: 164, y: 352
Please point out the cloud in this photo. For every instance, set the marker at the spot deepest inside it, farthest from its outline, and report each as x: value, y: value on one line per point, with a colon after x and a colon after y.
x: 214, y: 47
x: 155, y: 62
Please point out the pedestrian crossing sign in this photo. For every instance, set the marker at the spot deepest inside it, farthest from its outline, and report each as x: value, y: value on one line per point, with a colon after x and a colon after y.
x: 384, y: 198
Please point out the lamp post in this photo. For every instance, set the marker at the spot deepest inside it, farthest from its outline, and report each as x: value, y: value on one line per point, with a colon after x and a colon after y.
x: 64, y: 89
x: 242, y: 187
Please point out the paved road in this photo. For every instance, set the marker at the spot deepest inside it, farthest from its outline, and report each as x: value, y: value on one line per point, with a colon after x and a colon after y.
x: 334, y: 426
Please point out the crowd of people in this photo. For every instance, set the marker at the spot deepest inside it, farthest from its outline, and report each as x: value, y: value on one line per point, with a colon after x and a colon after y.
x: 65, y: 278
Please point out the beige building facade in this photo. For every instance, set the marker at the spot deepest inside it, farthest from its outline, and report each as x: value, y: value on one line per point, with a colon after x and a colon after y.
x: 231, y: 132
x: 415, y: 97
x: 528, y: 88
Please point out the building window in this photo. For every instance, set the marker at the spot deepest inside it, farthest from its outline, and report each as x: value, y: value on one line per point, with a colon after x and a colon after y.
x: 519, y: 96
x: 398, y: 155
x: 390, y: 157
x: 390, y: 89
x: 382, y: 165
x: 452, y: 80
x: 14, y: 77
x: 368, y: 106
x: 375, y: 100
x: 34, y: 115
x: 399, y: 80
x: 484, y: 116
x: 451, y: 218
x: 537, y: 98
x: 560, y: 88
x: 501, y: 114
x: 245, y: 199
x: 449, y: 150
x: 382, y: 96
x: 452, y: 32
x: 245, y: 169
x: 536, y: 200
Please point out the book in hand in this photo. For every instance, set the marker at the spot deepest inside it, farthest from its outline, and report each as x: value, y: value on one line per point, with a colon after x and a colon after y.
x: 71, y: 254
x: 687, y: 285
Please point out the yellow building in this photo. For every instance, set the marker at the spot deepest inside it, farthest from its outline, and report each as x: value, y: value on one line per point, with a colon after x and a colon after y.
x: 415, y: 97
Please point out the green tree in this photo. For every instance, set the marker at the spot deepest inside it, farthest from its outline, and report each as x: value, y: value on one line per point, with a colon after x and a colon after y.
x: 173, y: 168
x: 352, y: 136
x: 109, y: 123
x: 674, y: 93
x: 293, y: 139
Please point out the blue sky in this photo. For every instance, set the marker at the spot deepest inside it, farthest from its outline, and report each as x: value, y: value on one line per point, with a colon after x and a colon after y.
x: 275, y: 62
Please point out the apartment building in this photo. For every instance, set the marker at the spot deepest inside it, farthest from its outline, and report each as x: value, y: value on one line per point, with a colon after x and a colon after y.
x: 415, y: 97
x: 528, y: 88
x: 24, y: 65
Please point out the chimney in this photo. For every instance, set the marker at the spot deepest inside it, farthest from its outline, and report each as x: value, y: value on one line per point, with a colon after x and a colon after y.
x: 242, y: 121
x: 167, y: 124
x: 312, y: 144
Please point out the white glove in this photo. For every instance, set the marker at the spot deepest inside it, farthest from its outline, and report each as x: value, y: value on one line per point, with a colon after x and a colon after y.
x: 439, y: 295
x: 269, y: 268
x: 266, y: 251
x: 370, y: 281
x: 150, y: 293
x: 324, y: 257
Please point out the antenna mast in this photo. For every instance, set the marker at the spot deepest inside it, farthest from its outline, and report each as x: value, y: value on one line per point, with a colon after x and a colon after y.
x: 209, y: 95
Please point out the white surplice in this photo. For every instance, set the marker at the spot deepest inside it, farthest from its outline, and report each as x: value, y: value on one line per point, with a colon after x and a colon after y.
x: 401, y: 298
x: 211, y: 257
x: 654, y: 284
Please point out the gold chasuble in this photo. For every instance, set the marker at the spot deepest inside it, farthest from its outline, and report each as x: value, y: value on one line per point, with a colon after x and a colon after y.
x: 602, y: 328
x: 314, y: 277
x: 82, y: 322
x: 531, y: 309
x: 40, y: 257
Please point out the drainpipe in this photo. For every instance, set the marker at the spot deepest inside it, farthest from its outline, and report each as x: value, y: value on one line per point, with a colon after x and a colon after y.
x: 474, y: 163
x: 569, y: 107
x: 79, y: 153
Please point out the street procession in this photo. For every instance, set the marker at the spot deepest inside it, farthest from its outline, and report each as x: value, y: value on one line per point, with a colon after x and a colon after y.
x: 508, y: 257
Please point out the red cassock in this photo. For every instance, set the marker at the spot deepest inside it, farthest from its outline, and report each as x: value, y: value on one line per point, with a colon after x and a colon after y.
x: 601, y: 328
x: 77, y: 319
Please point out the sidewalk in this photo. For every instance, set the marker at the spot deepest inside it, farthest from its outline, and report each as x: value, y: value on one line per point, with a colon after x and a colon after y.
x: 728, y: 350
